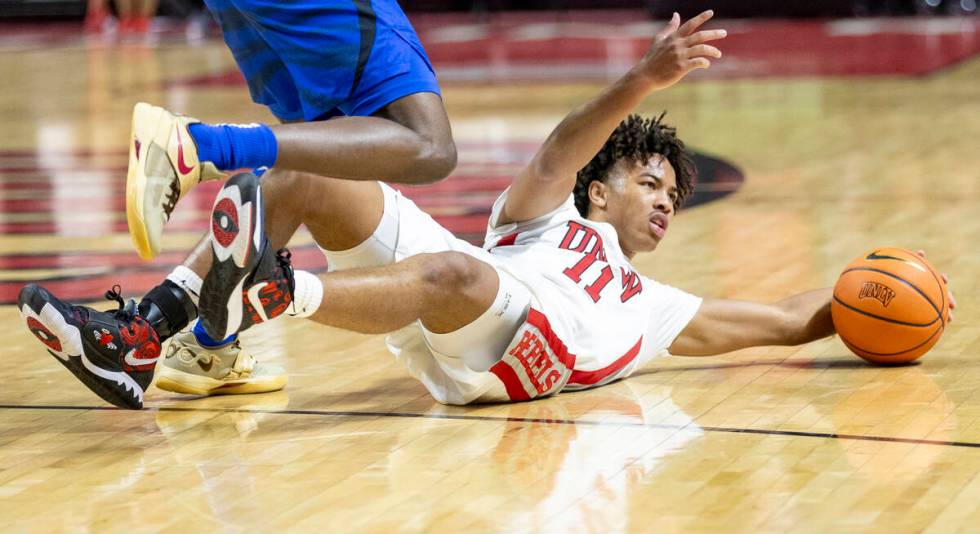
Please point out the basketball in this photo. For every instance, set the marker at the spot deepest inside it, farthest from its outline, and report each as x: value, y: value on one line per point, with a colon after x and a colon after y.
x: 890, y: 306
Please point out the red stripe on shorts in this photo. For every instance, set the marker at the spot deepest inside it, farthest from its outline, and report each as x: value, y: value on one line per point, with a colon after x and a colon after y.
x: 515, y: 390
x: 587, y: 378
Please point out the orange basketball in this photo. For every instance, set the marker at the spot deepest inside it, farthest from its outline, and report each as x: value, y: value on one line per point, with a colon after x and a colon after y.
x: 890, y: 306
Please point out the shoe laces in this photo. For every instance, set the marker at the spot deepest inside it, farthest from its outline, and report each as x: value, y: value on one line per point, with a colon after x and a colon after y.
x: 284, y: 257
x: 244, y: 365
x: 127, y: 310
x: 170, y: 200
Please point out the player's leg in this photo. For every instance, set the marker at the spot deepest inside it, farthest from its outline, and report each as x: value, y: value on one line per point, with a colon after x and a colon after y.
x: 409, y: 141
x: 114, y: 353
x: 444, y: 291
x: 359, y: 64
x: 396, y: 266
x: 396, y: 129
x: 342, y: 214
x: 96, y: 15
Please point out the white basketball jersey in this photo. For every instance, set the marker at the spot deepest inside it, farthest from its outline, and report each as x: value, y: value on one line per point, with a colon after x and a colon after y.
x: 610, y: 318
x: 592, y: 318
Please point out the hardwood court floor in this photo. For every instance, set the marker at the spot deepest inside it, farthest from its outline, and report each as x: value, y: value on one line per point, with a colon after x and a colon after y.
x: 775, y: 439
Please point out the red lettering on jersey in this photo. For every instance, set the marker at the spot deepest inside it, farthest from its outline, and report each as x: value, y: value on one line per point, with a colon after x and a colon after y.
x: 591, y: 242
x: 631, y: 284
x: 590, y: 245
x: 575, y: 271
x: 574, y: 229
x: 596, y: 287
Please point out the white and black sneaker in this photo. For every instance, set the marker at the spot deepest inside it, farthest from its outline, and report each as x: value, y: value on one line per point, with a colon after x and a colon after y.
x: 237, y: 241
x: 113, y: 353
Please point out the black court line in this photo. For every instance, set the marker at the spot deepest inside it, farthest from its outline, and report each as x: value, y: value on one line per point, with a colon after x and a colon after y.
x: 329, y: 413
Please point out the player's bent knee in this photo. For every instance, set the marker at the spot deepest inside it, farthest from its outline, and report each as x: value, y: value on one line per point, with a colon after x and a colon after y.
x: 285, y: 189
x: 449, y: 272
x: 433, y: 163
x: 443, y: 158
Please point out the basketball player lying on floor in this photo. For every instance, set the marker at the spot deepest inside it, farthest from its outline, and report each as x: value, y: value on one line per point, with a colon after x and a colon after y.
x: 550, y: 303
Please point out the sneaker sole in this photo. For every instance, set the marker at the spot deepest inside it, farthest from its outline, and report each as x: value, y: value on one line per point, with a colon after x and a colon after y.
x: 237, y: 235
x: 145, y: 119
x: 150, y: 170
x: 177, y: 381
x: 66, y: 339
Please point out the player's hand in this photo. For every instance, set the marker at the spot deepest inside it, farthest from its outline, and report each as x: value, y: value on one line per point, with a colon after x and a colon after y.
x: 949, y: 292
x: 678, y: 50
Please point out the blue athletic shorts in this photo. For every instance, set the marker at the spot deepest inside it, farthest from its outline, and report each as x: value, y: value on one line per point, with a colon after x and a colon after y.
x: 315, y: 59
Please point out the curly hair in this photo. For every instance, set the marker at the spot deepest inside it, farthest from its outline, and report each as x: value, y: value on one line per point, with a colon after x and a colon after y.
x: 635, y: 140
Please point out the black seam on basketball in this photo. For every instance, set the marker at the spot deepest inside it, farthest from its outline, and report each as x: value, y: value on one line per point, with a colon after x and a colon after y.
x: 932, y: 272
x: 939, y: 329
x: 904, y: 281
x: 880, y: 318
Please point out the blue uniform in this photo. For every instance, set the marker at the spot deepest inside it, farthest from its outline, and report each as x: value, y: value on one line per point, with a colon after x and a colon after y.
x: 315, y: 59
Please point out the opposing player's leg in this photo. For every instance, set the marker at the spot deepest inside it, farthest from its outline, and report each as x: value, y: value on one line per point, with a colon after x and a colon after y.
x: 369, y: 67
x: 114, y: 353
x: 197, y: 363
x: 392, y: 266
x: 407, y: 141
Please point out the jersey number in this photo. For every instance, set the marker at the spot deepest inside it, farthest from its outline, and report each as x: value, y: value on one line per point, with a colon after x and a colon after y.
x: 590, y: 244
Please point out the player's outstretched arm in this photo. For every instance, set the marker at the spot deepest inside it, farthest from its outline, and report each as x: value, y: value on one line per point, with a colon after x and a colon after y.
x: 549, y: 178
x: 722, y: 325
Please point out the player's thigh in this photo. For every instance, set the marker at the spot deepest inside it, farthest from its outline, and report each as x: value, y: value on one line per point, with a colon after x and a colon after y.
x: 402, y: 230
x: 480, y: 340
x: 339, y: 213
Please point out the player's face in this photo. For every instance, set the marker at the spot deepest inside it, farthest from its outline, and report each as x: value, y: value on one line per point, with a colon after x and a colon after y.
x: 640, y: 203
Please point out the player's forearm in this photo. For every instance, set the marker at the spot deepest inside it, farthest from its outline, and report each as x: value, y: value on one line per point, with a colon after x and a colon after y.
x: 723, y: 325
x: 582, y: 133
x: 808, y: 317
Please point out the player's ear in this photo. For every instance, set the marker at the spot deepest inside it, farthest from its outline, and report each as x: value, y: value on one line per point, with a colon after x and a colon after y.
x: 598, y: 193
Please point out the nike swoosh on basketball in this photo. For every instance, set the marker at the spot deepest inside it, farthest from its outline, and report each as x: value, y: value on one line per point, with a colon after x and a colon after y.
x: 875, y: 256
x: 132, y: 360
x: 182, y: 166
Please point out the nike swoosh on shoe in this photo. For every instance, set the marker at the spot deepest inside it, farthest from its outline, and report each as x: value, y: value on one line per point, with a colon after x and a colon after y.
x: 182, y: 166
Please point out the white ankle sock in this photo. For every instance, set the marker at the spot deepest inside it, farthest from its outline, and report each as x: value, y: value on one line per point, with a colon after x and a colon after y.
x: 307, y: 294
x: 188, y: 280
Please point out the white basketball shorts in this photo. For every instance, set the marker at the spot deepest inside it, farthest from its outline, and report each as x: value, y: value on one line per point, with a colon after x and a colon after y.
x: 404, y: 231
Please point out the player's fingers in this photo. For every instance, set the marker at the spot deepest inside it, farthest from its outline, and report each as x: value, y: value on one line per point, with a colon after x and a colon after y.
x: 921, y: 253
x: 705, y: 36
x: 692, y: 25
x: 703, y: 50
x: 675, y: 22
x: 945, y: 278
x: 697, y: 63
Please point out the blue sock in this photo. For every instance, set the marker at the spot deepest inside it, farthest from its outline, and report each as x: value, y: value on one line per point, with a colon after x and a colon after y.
x: 205, y: 340
x: 235, y: 146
